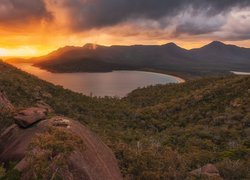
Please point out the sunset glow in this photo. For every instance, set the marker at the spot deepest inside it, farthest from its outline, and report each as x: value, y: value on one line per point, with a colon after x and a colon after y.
x: 41, y: 26
x: 20, y: 52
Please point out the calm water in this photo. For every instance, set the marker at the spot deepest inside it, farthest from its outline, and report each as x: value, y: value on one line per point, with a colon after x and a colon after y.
x: 116, y: 83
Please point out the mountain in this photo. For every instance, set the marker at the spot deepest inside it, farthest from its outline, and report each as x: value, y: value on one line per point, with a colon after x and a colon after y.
x: 231, y: 57
x: 214, y: 58
x: 116, y: 57
x: 158, y: 132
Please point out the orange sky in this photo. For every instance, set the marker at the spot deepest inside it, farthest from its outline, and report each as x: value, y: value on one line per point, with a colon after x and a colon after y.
x: 35, y: 42
x: 24, y: 33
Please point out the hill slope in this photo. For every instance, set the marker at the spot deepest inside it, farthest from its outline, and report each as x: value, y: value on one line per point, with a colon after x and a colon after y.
x: 214, y: 58
x: 156, y: 132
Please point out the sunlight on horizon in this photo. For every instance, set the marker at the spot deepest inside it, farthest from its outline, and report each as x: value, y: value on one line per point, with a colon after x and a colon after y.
x: 24, y: 51
x: 2, y: 52
x: 42, y: 50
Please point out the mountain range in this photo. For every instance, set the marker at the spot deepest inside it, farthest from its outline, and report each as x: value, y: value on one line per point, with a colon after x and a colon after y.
x: 214, y: 58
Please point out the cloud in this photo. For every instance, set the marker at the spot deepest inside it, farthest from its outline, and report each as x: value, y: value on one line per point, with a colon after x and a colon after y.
x: 237, y: 27
x: 191, y: 23
x: 148, y: 19
x: 22, y: 11
x: 89, y: 14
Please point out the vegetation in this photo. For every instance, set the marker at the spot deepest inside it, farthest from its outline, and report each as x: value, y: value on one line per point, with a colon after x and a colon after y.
x: 83, y: 65
x: 2, y: 172
x: 11, y: 173
x: 158, y: 131
x: 48, y: 152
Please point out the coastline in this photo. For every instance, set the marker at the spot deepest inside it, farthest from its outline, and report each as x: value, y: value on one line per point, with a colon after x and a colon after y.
x: 178, y: 77
x: 180, y: 80
x: 240, y: 73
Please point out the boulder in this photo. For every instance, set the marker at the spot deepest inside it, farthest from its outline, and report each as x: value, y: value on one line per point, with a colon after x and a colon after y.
x: 94, y: 161
x: 28, y: 117
x: 42, y: 104
x: 5, y: 104
x: 209, y: 171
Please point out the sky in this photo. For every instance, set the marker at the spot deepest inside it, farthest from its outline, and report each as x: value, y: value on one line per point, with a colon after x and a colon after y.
x: 37, y: 27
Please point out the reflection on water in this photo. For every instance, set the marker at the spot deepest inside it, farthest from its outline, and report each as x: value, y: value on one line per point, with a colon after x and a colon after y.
x: 116, y: 83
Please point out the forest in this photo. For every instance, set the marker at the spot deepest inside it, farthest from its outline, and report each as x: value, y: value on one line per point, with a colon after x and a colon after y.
x: 157, y: 131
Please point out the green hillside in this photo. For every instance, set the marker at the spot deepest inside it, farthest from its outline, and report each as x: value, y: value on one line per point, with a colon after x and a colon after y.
x: 159, y: 131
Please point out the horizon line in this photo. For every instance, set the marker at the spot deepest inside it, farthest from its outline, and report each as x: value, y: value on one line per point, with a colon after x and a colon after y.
x: 172, y: 42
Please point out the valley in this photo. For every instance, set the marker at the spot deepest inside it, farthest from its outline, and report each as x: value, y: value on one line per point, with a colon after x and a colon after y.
x: 182, y: 126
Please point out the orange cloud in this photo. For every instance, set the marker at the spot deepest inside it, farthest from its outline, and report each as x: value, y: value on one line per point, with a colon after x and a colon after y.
x: 36, y: 27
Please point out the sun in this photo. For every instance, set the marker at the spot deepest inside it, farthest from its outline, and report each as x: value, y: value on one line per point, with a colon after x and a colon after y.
x: 24, y: 51
x: 2, y: 52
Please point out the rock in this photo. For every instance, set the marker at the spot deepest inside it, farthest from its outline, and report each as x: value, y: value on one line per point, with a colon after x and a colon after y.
x: 209, y: 171
x: 96, y: 161
x: 28, y: 117
x: 236, y: 103
x: 5, y: 104
x: 42, y: 104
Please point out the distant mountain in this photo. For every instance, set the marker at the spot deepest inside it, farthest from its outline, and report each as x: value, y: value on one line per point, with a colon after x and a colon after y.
x: 227, y: 56
x: 213, y: 58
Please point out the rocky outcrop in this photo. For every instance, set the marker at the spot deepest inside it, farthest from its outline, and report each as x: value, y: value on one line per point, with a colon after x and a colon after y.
x: 208, y: 171
x: 95, y: 161
x: 28, y: 117
x: 5, y: 104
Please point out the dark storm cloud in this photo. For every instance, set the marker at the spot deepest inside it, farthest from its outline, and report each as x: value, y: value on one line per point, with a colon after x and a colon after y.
x: 87, y: 14
x: 21, y: 11
x: 192, y: 24
x: 83, y: 15
x: 193, y: 29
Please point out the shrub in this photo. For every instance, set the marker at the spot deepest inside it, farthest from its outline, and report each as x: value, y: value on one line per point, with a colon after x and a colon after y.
x: 232, y: 170
x: 47, y: 153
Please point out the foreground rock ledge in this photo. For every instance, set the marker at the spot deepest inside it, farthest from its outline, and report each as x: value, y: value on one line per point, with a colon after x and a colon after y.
x: 95, y: 162
x: 30, y: 116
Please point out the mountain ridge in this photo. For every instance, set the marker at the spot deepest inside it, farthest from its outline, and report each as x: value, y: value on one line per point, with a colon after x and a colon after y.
x: 212, y: 59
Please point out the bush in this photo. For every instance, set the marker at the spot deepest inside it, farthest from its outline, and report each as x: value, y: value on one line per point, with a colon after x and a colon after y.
x: 232, y: 170
x: 47, y: 153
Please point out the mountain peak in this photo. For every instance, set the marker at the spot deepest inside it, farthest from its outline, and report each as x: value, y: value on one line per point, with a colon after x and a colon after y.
x: 213, y: 45
x: 216, y: 43
x: 171, y: 44
x: 91, y: 46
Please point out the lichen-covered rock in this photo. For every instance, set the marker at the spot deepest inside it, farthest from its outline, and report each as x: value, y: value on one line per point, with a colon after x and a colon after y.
x: 61, y: 147
x: 209, y: 171
x: 28, y: 117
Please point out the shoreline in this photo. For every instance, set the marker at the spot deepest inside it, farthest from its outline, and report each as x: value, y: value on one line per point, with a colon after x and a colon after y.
x: 240, y: 73
x: 179, y: 79
x: 176, y: 76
